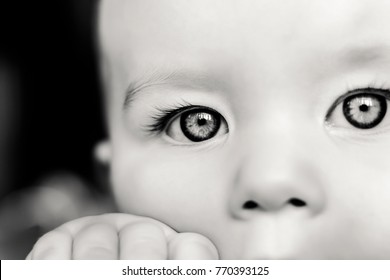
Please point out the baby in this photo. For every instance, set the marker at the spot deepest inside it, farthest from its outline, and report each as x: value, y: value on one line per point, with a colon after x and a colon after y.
x: 241, y: 130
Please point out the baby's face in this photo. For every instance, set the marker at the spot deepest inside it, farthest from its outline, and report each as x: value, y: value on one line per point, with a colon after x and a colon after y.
x: 259, y: 124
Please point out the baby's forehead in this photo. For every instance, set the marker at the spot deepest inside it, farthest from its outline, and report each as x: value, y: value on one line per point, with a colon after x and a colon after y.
x: 144, y: 18
x: 177, y: 24
x: 143, y: 33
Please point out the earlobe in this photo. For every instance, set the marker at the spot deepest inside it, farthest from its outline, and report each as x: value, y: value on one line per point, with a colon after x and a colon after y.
x: 102, y: 152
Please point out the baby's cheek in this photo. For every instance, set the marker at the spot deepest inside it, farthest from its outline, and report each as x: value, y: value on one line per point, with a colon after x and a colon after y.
x: 358, y: 190
x: 184, y: 192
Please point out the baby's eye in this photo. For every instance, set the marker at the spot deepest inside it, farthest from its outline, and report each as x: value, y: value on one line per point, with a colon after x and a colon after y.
x: 197, y: 125
x: 364, y: 109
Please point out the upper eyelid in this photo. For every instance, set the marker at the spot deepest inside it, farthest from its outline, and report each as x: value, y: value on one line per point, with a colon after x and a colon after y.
x: 369, y: 90
x: 166, y: 116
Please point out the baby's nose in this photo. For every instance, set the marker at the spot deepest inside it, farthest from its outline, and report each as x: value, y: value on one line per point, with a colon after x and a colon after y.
x: 273, y: 196
x: 278, y: 176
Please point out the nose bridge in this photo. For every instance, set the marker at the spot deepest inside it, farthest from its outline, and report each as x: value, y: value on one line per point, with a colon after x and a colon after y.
x: 277, y: 142
x: 278, y: 169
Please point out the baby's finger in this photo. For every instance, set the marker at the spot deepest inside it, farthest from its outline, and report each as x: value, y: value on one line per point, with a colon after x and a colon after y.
x: 29, y: 256
x: 118, y: 220
x: 96, y: 241
x: 141, y: 241
x: 55, y: 245
x: 191, y: 246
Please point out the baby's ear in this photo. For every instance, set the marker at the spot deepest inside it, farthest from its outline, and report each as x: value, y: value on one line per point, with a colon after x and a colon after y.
x: 102, y: 152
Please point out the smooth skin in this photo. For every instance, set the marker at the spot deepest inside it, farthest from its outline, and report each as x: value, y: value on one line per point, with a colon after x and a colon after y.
x: 286, y: 176
x: 120, y: 236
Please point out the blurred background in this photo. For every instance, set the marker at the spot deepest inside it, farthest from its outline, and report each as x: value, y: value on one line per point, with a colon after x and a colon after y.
x: 50, y: 119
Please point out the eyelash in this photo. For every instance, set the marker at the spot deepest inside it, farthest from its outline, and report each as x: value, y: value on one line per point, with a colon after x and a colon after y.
x: 165, y: 115
x: 370, y: 89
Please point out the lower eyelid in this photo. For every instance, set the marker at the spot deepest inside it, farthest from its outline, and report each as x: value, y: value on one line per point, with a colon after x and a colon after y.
x: 211, y: 143
x: 359, y: 137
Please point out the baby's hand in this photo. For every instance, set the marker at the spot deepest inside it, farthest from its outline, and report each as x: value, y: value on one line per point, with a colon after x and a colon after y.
x: 121, y: 236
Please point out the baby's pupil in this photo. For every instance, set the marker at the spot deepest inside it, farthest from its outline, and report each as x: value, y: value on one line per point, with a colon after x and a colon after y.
x: 205, y: 123
x: 363, y: 108
x: 202, y: 121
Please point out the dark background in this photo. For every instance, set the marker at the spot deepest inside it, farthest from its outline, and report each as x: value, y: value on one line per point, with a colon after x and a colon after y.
x: 51, y: 46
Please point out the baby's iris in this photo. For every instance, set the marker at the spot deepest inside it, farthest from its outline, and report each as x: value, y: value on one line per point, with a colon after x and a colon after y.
x: 200, y: 124
x: 364, y: 110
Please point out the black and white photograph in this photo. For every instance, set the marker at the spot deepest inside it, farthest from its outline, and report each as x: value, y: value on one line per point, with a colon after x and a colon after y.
x: 195, y: 130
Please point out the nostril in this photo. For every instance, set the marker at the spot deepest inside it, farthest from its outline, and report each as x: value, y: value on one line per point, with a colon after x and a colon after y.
x: 250, y: 204
x: 297, y: 202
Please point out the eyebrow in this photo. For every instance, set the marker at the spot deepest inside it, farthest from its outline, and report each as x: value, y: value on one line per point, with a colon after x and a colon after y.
x: 365, y: 55
x: 181, y: 78
x: 350, y: 56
